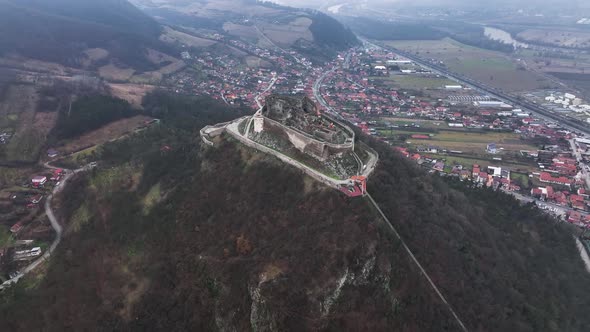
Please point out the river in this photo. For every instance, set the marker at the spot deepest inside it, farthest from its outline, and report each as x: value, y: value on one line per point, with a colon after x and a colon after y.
x: 504, y: 37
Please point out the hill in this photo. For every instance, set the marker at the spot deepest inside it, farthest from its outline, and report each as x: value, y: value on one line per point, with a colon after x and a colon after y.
x: 309, y: 32
x: 226, y: 238
x: 61, y: 31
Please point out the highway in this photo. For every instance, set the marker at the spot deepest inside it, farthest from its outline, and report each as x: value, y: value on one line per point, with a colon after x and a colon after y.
x: 514, y: 100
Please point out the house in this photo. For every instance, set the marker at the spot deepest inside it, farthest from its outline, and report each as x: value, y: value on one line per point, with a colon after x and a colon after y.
x: 439, y: 166
x: 574, y: 217
x: 548, y: 178
x: 403, y: 151
x: 56, y: 175
x: 52, y: 153
x: 39, y: 180
x: 475, y: 172
x: 491, y: 148
x: 16, y: 227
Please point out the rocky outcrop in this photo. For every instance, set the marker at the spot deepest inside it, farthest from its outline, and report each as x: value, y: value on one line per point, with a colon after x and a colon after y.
x: 288, y: 110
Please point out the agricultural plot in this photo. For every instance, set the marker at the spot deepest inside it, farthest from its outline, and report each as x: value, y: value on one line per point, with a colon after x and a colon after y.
x: 290, y: 33
x: 415, y: 82
x: 18, y: 119
x: 476, y: 142
x: 471, y: 144
x: 104, y: 134
x: 412, y: 122
x: 173, y: 36
x: 489, y: 67
x: 557, y: 37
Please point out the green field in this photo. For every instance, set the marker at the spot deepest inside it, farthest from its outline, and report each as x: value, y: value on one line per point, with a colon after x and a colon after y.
x: 414, y: 82
x: 463, y: 140
x: 472, y: 143
x: 408, y: 121
x: 468, y: 161
x: 490, y: 67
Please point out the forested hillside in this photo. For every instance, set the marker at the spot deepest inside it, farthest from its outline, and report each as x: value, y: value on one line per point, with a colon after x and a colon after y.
x: 42, y: 30
x: 504, y: 267
x: 198, y: 239
x: 329, y: 32
x: 189, y: 237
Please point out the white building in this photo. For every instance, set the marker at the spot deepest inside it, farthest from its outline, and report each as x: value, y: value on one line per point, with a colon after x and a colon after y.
x: 491, y: 104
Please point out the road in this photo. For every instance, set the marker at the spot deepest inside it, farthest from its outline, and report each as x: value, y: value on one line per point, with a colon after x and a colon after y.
x: 514, y: 100
x: 259, y: 103
x: 578, y: 155
x: 559, y: 210
x: 54, y: 224
x: 316, y: 90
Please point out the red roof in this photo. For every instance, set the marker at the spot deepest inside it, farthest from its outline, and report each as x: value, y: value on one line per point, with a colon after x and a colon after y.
x: 546, y: 177
x: 16, y: 227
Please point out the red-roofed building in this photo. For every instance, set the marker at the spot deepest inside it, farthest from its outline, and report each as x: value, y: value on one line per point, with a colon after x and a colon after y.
x: 16, y: 227
x: 39, y: 180
x: 403, y: 151
x: 548, y: 178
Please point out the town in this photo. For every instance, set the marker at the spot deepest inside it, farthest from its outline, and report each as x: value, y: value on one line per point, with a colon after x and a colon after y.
x: 444, y: 126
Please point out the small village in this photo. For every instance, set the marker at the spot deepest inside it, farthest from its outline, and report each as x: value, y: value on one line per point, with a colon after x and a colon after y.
x: 23, y: 214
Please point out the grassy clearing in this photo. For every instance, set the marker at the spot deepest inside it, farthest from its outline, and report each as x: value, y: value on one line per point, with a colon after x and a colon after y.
x: 80, y: 218
x: 153, y: 196
x: 522, y: 178
x: 5, y: 237
x: 124, y: 177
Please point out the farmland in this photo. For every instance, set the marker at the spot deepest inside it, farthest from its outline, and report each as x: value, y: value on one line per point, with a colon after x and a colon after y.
x: 489, y: 67
x: 414, y: 82
x: 562, y: 38
x: 173, y: 36
x: 472, y: 144
x: 18, y: 117
x: 476, y: 142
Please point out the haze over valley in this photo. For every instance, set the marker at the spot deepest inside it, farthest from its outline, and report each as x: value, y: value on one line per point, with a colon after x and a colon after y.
x: 217, y: 165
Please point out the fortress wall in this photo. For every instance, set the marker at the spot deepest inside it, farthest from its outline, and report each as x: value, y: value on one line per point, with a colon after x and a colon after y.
x: 308, y: 144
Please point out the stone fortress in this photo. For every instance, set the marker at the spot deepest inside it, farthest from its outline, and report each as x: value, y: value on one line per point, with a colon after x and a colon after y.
x: 309, y: 131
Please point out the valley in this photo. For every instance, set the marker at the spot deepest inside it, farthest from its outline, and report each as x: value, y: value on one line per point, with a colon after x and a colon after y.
x: 240, y: 165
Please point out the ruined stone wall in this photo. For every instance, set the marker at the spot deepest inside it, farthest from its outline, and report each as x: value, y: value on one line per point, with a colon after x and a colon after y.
x: 306, y: 143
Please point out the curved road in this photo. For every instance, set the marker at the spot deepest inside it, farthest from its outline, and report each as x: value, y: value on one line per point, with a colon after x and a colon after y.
x: 54, y: 224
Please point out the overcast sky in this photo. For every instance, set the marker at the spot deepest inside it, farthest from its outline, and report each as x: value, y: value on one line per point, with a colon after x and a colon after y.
x: 535, y: 3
